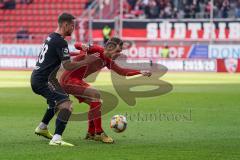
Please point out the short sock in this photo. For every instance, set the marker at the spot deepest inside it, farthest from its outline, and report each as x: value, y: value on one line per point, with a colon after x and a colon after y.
x: 42, y: 126
x: 56, y: 137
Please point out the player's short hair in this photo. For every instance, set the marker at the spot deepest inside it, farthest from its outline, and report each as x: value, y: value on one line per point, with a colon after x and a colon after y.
x: 113, y: 42
x: 116, y: 40
x: 65, y: 17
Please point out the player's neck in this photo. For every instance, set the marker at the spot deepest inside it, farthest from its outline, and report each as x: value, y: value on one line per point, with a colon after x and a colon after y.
x: 59, y: 31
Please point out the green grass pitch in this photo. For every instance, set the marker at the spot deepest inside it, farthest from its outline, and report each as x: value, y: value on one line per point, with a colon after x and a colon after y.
x: 202, y: 122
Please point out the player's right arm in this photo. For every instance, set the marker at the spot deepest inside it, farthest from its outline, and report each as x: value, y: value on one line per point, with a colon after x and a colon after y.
x: 68, y: 64
x: 77, y: 53
x: 128, y: 72
x: 72, y: 65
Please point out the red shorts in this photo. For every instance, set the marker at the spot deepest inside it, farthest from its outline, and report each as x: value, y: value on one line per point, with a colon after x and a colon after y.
x: 75, y: 87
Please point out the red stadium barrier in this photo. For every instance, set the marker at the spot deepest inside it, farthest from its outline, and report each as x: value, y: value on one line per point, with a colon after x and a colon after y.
x: 174, y: 30
x: 228, y: 65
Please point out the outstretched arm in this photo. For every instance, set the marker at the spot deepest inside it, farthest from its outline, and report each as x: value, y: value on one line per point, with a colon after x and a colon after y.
x: 123, y: 71
x: 71, y: 64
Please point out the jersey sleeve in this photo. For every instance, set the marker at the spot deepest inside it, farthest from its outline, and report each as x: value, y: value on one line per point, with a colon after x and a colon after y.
x: 95, y: 48
x: 78, y: 45
x: 63, y: 51
x: 73, y: 54
x: 78, y: 53
x: 123, y: 71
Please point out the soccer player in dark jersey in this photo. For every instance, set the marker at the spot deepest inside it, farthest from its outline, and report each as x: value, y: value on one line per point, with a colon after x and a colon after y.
x: 73, y: 82
x: 55, y: 53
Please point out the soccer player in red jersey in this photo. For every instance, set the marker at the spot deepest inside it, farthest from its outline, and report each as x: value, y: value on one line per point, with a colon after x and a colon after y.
x: 73, y: 82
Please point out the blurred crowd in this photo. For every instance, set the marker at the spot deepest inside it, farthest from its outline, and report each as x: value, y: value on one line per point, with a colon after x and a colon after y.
x: 168, y: 9
x: 165, y: 9
x: 11, y: 4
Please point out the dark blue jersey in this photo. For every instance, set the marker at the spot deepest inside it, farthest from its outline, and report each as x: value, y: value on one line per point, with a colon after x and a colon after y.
x: 53, y: 52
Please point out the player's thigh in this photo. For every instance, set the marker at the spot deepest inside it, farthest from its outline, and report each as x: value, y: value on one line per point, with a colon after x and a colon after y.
x: 75, y: 89
x: 92, y: 93
x: 81, y: 90
x: 54, y: 98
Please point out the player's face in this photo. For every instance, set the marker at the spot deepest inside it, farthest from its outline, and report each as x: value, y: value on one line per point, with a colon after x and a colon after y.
x: 117, y: 52
x: 68, y: 28
x: 119, y: 49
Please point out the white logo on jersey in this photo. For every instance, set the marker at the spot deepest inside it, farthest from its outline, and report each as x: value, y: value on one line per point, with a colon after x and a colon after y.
x: 48, y: 38
x: 65, y: 52
x: 36, y: 67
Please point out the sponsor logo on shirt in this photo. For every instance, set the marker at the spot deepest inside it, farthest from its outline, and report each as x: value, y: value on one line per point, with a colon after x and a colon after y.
x: 65, y: 52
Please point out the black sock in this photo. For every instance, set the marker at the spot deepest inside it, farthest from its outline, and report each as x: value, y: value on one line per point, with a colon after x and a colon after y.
x: 62, y: 120
x: 50, y: 112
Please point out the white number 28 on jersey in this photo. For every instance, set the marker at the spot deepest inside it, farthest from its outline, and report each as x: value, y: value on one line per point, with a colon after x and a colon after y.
x: 42, y: 53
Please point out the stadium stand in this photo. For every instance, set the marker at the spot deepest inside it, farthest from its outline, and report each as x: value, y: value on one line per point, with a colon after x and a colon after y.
x: 38, y: 18
x: 181, y: 9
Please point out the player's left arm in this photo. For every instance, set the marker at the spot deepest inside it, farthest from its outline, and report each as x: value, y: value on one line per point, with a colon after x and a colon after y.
x: 73, y: 54
x: 81, y: 46
x: 77, y: 53
x: 128, y: 72
x: 90, y: 49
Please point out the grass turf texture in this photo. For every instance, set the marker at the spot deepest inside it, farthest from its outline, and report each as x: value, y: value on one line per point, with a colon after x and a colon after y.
x: 211, y: 132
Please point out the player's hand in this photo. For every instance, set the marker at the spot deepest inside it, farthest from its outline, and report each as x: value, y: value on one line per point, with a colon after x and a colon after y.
x: 85, y: 47
x: 146, y: 73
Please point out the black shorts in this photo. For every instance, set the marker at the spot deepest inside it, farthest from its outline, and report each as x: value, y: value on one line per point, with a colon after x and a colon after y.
x: 53, y: 96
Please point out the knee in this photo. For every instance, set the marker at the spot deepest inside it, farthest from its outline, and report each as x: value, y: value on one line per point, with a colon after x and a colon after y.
x: 96, y: 95
x: 67, y: 105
